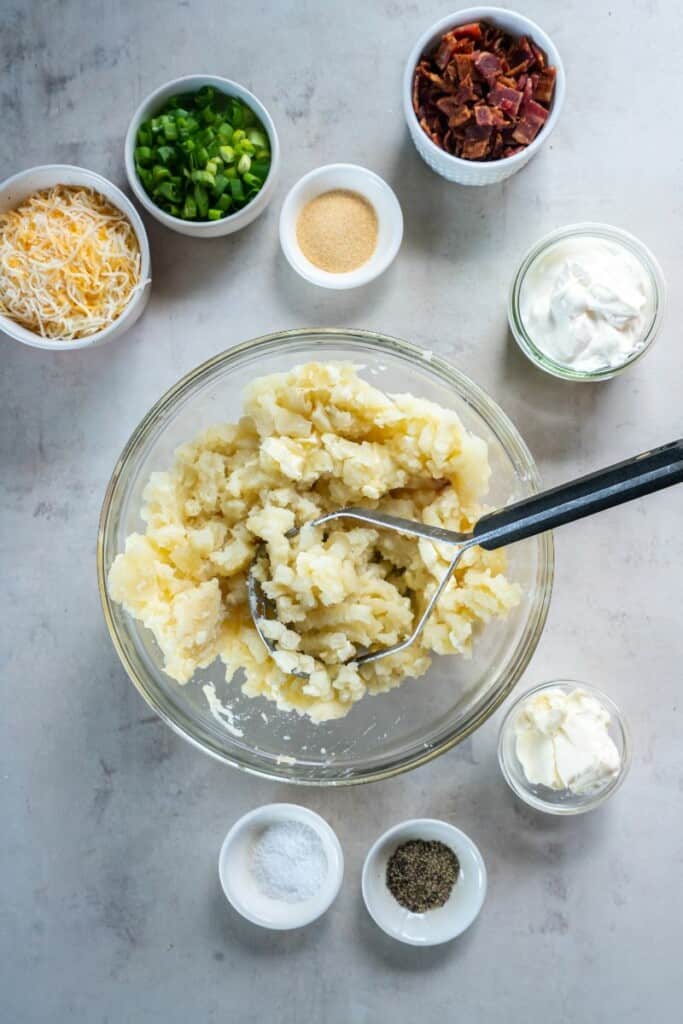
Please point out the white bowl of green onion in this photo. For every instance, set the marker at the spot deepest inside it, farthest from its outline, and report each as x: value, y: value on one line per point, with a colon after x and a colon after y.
x: 202, y: 155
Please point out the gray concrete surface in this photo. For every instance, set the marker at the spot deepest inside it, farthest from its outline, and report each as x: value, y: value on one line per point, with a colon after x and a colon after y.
x: 110, y: 825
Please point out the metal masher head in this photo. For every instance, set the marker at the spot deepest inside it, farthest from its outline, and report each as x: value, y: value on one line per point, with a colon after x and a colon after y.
x: 263, y: 609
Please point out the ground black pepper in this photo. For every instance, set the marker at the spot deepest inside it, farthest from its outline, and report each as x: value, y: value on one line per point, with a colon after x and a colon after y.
x: 421, y: 874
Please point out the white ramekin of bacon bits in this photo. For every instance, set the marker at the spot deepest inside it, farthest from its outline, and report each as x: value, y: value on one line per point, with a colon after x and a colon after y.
x: 482, y: 91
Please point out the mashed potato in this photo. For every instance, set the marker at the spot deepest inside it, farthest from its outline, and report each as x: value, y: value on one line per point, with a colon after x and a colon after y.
x: 313, y: 440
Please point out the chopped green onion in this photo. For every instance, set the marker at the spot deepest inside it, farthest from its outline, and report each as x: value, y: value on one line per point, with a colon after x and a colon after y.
x: 260, y: 168
x: 166, y: 154
x: 202, y: 155
x: 204, y: 96
x: 202, y: 200
x: 257, y: 139
x: 189, y: 208
x: 203, y: 178
x: 144, y: 156
x: 236, y: 189
x: 167, y: 190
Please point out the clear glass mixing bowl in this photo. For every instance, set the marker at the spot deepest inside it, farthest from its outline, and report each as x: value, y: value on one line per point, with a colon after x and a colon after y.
x: 382, y: 735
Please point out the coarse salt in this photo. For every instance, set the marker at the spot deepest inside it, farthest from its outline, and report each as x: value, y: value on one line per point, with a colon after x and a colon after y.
x: 289, y: 862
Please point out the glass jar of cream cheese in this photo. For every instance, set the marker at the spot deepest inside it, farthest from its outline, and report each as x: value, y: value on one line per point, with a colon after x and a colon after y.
x: 564, y: 747
x: 586, y: 302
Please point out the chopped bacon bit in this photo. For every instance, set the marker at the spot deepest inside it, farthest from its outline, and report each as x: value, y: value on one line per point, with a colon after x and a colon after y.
x: 463, y: 62
x: 521, y: 57
x: 416, y: 90
x: 539, y: 56
x: 428, y: 131
x: 475, y: 150
x: 435, y: 79
x: 483, y: 115
x: 466, y: 93
x: 459, y: 117
x: 482, y: 94
x: 498, y: 118
x: 527, y: 129
x: 545, y: 86
x: 444, y: 53
x: 532, y: 109
x: 473, y: 31
x: 508, y: 100
x: 447, y: 105
x: 488, y: 66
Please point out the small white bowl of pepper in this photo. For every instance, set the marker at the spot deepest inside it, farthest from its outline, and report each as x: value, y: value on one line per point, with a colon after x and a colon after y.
x: 424, y: 882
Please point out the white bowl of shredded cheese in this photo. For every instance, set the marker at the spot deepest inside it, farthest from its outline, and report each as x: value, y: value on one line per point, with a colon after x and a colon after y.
x: 110, y: 246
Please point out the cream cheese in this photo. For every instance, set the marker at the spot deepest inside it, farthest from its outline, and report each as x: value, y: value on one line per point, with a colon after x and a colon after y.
x: 562, y: 741
x: 587, y: 303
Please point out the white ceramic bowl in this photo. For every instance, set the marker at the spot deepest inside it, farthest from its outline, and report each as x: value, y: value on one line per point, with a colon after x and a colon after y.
x: 551, y: 801
x: 480, y: 172
x: 356, y: 179
x: 19, y: 187
x: 434, y: 926
x: 240, y: 887
x: 206, y: 228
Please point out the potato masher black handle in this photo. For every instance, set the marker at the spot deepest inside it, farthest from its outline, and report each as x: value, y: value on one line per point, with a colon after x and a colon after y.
x: 642, y: 474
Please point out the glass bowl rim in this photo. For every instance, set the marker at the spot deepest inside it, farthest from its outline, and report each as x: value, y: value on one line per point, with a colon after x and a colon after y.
x: 481, y: 402
x: 585, y: 228
x: 588, y: 802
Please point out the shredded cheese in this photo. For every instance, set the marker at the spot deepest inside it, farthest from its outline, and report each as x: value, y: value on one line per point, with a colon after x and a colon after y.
x: 69, y: 263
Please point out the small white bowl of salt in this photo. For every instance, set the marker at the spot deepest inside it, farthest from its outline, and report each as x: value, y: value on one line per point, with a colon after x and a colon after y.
x: 281, y: 866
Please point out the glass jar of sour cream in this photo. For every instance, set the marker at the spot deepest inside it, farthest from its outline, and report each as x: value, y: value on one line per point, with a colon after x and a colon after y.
x: 586, y: 302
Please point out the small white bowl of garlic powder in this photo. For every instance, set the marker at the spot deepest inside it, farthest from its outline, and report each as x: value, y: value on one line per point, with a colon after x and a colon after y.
x: 281, y: 866
x: 586, y: 302
x: 564, y: 747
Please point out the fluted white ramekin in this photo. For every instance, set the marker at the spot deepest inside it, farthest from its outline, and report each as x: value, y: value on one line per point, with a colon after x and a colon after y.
x: 480, y: 172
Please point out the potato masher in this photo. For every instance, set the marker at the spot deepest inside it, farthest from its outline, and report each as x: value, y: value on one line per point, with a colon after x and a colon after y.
x: 642, y: 474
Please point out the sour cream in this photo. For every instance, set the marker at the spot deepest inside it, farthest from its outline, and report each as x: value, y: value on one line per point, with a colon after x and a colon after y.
x: 562, y: 741
x: 587, y: 303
